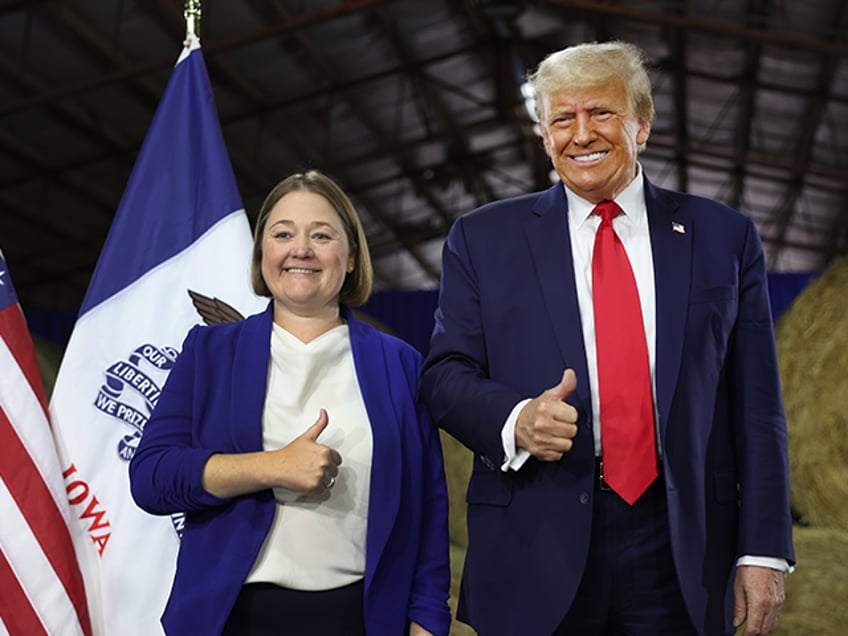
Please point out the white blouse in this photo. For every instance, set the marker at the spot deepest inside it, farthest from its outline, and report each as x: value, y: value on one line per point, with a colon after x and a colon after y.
x: 317, y: 542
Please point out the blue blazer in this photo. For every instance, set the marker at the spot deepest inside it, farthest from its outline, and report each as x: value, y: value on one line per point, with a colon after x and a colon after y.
x: 507, y: 326
x: 213, y: 402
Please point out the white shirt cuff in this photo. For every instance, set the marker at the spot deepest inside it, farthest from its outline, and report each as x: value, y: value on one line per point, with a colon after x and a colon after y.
x: 774, y: 563
x: 513, y: 458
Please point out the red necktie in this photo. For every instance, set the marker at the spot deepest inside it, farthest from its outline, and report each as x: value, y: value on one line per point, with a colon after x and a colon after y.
x: 624, y: 379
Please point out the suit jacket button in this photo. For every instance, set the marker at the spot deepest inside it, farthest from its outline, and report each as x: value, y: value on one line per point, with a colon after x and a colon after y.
x: 585, y: 498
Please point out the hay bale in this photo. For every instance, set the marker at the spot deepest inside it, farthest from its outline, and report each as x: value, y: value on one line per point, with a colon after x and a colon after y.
x: 812, y: 345
x: 48, y: 356
x: 816, y: 592
x: 457, y: 558
x: 458, y: 460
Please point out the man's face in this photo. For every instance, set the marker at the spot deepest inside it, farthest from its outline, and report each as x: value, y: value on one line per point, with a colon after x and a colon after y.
x: 592, y: 138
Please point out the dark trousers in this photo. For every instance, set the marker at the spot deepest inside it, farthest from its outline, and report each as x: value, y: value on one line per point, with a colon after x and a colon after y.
x: 629, y: 586
x: 264, y: 609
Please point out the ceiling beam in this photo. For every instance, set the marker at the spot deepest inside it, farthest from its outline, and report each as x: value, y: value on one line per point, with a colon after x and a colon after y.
x: 678, y: 63
x: 746, y: 110
x: 814, y: 43
x: 805, y: 139
x: 425, y: 101
x: 212, y: 49
x: 330, y: 75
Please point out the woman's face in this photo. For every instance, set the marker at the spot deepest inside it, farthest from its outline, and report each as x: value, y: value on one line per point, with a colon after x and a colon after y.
x: 305, y: 254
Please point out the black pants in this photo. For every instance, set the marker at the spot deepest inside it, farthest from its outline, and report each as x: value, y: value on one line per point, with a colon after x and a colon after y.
x: 264, y: 609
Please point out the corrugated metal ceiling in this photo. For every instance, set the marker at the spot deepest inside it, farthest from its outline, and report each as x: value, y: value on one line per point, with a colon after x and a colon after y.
x: 415, y: 108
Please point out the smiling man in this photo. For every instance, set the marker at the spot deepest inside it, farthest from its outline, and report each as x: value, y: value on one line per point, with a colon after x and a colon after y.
x: 605, y: 348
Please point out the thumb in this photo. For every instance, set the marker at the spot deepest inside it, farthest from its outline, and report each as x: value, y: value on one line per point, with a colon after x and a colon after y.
x: 740, y: 612
x: 566, y: 385
x: 318, y: 427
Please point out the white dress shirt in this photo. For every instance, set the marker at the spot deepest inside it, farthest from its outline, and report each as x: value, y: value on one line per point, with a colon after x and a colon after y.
x: 317, y: 542
x: 632, y: 228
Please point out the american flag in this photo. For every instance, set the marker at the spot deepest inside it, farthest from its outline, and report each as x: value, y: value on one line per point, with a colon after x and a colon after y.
x: 40, y: 579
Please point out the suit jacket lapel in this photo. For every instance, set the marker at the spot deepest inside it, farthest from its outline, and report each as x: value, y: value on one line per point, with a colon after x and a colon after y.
x: 550, y: 249
x: 672, y: 229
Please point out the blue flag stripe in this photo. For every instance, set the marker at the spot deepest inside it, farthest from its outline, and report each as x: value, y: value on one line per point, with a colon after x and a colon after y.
x: 7, y: 292
x: 183, y: 164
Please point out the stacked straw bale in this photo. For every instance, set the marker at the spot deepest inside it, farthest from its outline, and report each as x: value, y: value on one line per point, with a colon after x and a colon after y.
x: 816, y: 592
x: 812, y: 347
x: 458, y: 460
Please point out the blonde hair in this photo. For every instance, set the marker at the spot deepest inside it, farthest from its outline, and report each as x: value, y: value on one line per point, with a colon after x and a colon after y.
x: 358, y: 283
x: 593, y: 64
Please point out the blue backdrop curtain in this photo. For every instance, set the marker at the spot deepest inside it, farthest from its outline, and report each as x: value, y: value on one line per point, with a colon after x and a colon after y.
x: 409, y: 314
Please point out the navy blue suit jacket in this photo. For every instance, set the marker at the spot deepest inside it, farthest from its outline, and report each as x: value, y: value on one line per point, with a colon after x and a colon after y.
x: 508, y: 324
x: 213, y: 402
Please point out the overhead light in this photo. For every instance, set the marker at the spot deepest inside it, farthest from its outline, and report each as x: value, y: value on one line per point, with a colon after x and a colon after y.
x: 529, y: 100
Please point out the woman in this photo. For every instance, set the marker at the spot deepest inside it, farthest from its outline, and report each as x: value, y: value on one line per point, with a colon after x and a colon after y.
x: 311, y: 476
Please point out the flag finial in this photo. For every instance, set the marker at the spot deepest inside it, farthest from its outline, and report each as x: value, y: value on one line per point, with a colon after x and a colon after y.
x: 192, y: 17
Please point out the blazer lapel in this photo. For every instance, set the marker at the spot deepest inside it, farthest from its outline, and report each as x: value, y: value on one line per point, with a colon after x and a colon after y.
x: 250, y: 380
x: 386, y: 473
x: 550, y: 249
x: 672, y: 229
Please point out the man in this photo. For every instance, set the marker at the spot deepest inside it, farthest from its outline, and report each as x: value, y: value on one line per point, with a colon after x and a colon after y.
x: 544, y: 353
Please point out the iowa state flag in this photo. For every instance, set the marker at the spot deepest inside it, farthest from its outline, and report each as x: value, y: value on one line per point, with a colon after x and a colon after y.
x: 41, y: 588
x: 180, y: 241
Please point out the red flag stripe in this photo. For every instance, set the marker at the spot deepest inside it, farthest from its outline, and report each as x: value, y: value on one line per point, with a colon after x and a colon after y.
x: 50, y: 528
x: 20, y: 471
x: 15, y: 332
x: 15, y: 608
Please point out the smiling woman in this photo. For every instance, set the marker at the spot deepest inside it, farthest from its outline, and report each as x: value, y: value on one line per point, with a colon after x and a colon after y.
x: 306, y: 256
x: 341, y: 521
x: 310, y: 253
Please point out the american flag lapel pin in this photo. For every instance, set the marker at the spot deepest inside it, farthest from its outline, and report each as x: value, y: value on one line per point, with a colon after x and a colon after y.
x: 678, y: 227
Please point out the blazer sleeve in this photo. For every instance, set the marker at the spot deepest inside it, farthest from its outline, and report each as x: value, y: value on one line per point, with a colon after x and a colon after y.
x: 759, y: 420
x: 431, y: 582
x: 455, y: 382
x: 167, y: 468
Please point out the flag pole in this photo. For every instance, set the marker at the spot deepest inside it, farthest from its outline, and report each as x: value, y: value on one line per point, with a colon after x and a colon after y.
x: 191, y: 13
